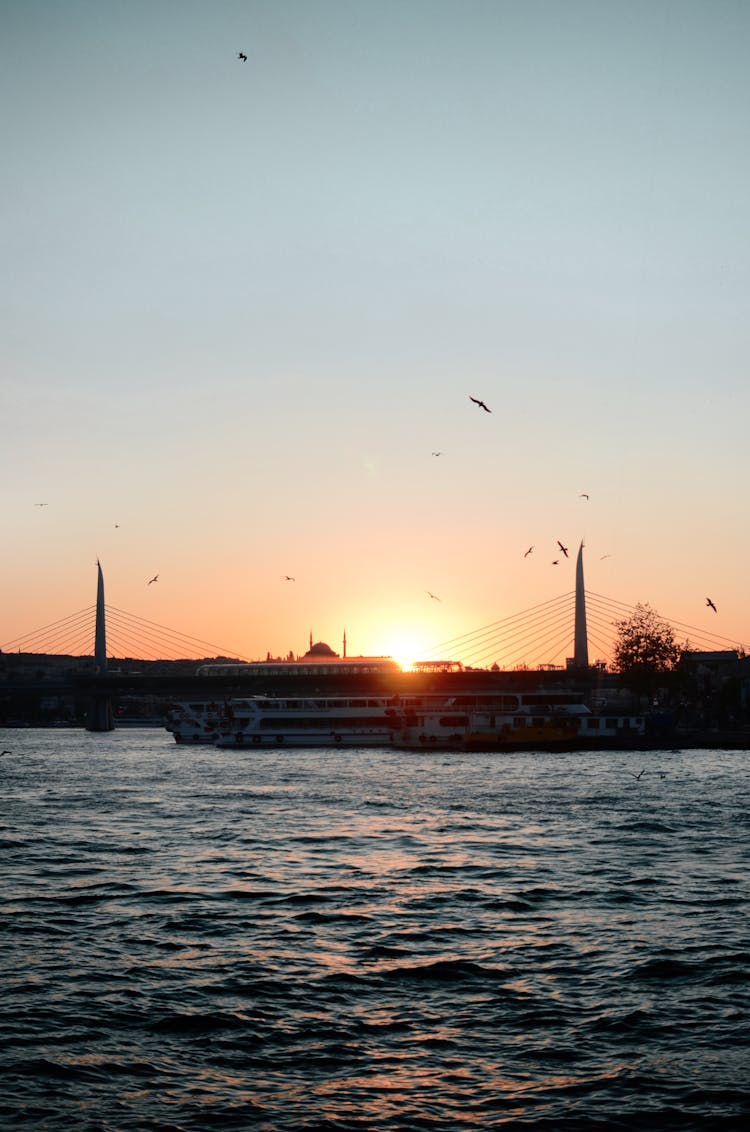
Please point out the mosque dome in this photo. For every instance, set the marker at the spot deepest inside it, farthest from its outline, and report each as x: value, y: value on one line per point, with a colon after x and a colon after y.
x: 320, y: 648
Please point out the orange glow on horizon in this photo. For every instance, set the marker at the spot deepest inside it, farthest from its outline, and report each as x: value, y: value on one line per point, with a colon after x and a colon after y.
x: 405, y: 651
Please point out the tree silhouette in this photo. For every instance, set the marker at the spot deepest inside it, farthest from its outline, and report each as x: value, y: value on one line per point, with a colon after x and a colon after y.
x: 645, y: 650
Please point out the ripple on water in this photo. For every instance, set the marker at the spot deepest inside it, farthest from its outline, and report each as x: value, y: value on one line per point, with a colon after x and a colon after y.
x: 195, y: 939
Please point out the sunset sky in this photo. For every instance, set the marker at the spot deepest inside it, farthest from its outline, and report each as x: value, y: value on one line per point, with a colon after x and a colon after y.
x: 244, y: 302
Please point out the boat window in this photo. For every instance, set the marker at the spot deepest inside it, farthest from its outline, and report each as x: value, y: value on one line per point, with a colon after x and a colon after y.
x: 316, y: 723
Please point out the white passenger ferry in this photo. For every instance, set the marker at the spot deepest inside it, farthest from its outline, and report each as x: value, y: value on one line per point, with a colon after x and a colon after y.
x: 307, y: 721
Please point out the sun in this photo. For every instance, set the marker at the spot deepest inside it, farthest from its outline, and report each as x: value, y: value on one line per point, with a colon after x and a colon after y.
x: 405, y: 651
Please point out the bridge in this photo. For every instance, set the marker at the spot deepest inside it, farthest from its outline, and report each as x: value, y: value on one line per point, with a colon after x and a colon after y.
x: 575, y: 630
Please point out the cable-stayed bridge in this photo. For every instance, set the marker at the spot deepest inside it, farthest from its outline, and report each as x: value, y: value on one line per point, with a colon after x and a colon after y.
x: 538, y: 637
x: 127, y: 636
x: 535, y: 640
x: 544, y: 635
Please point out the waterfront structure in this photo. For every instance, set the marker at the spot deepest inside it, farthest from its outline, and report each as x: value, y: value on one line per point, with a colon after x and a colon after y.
x: 319, y: 660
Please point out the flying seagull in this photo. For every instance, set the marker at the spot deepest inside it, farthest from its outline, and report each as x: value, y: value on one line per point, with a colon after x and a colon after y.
x: 711, y: 604
x: 605, y: 556
x: 556, y: 562
x: 289, y: 578
x: 564, y: 549
x: 480, y: 403
x: 528, y: 552
x: 434, y: 596
x: 154, y: 579
x: 241, y: 55
x: 40, y: 504
x: 583, y: 495
x: 437, y: 453
x: 637, y: 777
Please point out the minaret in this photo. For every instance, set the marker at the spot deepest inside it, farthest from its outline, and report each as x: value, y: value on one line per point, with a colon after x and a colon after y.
x: 344, y: 644
x: 580, y: 643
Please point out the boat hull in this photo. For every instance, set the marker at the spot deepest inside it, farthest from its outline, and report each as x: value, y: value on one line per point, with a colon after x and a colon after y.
x: 195, y: 738
x: 525, y: 739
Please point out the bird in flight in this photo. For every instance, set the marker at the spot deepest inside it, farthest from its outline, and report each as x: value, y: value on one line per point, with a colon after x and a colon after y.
x: 4, y: 753
x: 480, y: 403
x: 241, y: 55
x: 433, y: 596
x: 605, y: 556
x: 40, y: 504
x: 711, y: 605
x: 564, y: 549
x: 289, y: 578
x: 154, y: 579
x: 556, y: 562
x: 583, y: 495
x: 637, y: 777
x: 528, y: 552
x: 437, y: 453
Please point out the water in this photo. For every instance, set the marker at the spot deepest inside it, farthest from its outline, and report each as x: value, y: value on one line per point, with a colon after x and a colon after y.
x: 199, y: 939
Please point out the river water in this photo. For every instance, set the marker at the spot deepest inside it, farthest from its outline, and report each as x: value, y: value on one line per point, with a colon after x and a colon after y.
x: 199, y: 939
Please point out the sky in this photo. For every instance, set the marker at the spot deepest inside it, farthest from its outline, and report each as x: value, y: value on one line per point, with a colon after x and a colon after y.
x: 243, y: 303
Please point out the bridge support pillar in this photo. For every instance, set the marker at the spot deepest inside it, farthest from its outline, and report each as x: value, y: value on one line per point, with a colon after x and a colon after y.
x: 100, y: 716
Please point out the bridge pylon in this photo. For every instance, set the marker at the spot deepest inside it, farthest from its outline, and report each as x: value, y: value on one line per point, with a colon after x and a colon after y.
x: 100, y: 715
x: 580, y: 641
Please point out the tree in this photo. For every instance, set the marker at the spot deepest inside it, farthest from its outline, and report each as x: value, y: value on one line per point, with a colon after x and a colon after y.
x: 645, y: 650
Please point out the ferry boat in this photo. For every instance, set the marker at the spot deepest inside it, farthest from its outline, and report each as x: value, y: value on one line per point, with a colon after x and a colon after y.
x: 512, y: 721
x: 524, y: 721
x: 307, y: 721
